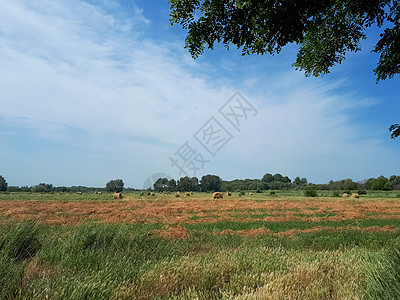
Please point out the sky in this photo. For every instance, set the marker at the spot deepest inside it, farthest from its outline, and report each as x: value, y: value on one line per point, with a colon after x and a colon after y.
x: 103, y: 89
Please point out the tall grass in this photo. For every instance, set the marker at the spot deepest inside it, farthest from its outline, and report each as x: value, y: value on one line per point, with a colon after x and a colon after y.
x: 384, y: 276
x: 131, y: 261
x: 17, y: 244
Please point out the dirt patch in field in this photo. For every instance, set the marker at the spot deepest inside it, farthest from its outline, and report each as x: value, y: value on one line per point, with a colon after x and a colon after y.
x: 190, y: 211
x: 177, y: 232
x: 250, y: 232
x: 348, y: 228
x: 291, y: 232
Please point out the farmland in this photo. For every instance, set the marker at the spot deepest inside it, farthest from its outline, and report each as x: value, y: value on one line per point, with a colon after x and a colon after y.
x: 263, y: 246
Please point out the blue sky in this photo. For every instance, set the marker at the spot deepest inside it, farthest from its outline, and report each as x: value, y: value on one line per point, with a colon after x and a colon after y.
x: 98, y: 90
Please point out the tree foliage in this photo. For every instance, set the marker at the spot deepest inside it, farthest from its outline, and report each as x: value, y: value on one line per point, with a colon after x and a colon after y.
x: 210, y: 183
x: 324, y: 30
x: 43, y: 188
x: 395, y: 130
x: 186, y: 184
x: 161, y: 185
x: 115, y: 186
x: 3, y: 184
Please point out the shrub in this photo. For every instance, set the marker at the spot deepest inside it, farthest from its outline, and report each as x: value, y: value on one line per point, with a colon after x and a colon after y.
x: 259, y: 191
x: 362, y: 192
x: 335, y: 194
x: 242, y: 193
x: 272, y: 193
x: 310, y: 191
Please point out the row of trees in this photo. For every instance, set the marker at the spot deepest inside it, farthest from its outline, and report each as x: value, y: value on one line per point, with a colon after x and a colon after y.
x: 210, y: 183
x: 207, y: 183
x: 116, y: 185
x: 381, y: 183
x: 271, y: 182
x: 267, y: 182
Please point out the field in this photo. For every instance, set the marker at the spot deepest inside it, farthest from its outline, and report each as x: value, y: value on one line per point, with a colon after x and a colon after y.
x: 263, y: 246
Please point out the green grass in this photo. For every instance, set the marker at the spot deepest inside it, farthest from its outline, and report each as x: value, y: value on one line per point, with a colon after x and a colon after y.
x: 131, y: 261
x: 384, y: 275
x: 100, y: 261
x: 104, y: 261
x: 258, y: 197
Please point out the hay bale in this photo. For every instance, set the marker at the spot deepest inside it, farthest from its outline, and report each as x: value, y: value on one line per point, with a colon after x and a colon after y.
x: 217, y: 195
x: 117, y: 196
x: 228, y: 194
x: 345, y: 195
x: 355, y: 196
x: 79, y: 193
x: 188, y: 194
x: 191, y: 193
x: 250, y: 194
x: 152, y: 194
x: 177, y: 194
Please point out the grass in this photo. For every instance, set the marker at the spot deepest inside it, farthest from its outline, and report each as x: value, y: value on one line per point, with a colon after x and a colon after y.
x: 384, y: 276
x: 258, y: 197
x: 102, y: 261
x: 133, y: 261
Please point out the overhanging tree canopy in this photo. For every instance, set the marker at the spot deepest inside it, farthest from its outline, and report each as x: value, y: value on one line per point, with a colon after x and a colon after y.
x: 324, y: 30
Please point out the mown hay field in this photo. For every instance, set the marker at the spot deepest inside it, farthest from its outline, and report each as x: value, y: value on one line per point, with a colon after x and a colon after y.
x: 191, y: 247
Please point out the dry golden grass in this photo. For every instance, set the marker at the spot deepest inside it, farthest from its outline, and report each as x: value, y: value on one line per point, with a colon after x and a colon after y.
x: 194, y: 210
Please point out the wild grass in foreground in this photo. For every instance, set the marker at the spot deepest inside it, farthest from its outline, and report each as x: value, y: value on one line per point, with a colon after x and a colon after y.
x: 100, y: 261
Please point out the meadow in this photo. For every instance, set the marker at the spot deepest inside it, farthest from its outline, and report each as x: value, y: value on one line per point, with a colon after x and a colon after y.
x: 282, y: 246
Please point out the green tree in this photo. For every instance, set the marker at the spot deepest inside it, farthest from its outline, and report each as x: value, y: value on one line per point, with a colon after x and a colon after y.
x: 395, y: 182
x: 267, y: 178
x: 380, y: 183
x: 369, y: 183
x: 297, y: 182
x: 172, y: 185
x: 63, y: 189
x: 279, y: 178
x: 115, y: 186
x: 186, y: 184
x: 43, y: 188
x: 161, y: 185
x: 324, y: 30
x: 210, y: 183
x: 349, y: 184
x: 3, y: 184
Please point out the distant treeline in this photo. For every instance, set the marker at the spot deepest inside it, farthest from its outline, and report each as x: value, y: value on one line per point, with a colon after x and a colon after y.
x: 377, y: 184
x: 47, y: 188
x: 209, y: 183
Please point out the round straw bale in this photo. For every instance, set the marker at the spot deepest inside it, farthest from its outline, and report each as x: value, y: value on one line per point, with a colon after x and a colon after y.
x: 217, y: 195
